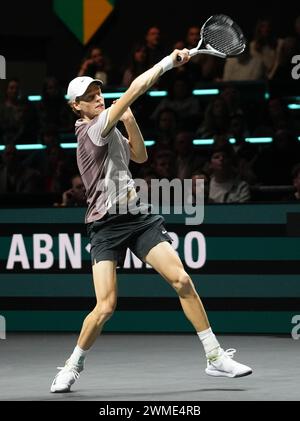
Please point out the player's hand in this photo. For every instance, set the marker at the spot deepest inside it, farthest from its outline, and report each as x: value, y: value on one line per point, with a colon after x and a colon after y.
x: 184, y: 54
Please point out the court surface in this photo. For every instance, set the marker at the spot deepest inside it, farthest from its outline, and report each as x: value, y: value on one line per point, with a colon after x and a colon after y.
x: 150, y: 367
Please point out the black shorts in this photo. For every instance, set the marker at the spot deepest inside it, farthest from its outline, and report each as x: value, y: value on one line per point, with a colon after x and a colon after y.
x: 113, y: 234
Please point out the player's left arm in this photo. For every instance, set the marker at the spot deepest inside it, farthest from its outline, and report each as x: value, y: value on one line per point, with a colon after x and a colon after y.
x: 138, y: 152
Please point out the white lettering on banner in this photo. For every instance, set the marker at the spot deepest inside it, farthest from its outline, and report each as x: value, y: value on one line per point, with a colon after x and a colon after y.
x: 131, y: 257
x: 71, y: 250
x: 131, y: 261
x: 17, y: 253
x: 188, y: 255
x: 40, y: 249
x: 65, y: 248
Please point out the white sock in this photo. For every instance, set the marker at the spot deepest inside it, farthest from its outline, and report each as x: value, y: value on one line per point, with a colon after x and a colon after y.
x: 210, y: 343
x: 78, y: 356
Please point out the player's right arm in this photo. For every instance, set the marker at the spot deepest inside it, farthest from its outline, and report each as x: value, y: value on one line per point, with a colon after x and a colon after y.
x: 141, y: 84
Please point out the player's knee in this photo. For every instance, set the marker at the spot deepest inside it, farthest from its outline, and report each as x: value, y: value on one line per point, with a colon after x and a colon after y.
x: 104, y: 311
x: 184, y: 285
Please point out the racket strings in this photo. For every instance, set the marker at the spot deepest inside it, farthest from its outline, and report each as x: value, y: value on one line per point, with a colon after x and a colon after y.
x: 224, y: 35
x: 225, y: 41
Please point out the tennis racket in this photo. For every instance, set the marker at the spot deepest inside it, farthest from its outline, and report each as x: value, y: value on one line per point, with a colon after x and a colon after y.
x: 219, y: 36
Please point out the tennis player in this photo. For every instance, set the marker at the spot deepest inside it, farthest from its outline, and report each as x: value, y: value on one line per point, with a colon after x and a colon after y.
x: 103, y: 156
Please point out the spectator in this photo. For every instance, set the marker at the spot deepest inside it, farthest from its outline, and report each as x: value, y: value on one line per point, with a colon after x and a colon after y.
x: 182, y: 102
x: 231, y: 96
x: 38, y: 159
x: 186, y: 159
x: 246, y: 152
x: 17, y: 117
x: 75, y: 196
x: 58, y: 171
x: 216, y: 119
x: 163, y: 164
x: 96, y: 65
x: 192, y: 70
x: 266, y: 45
x: 225, y: 183
x: 238, y: 130
x: 53, y: 109
x: 274, y: 118
x: 167, y: 124
x: 201, y: 67
x: 244, y: 67
x: 15, y: 177
x: 154, y: 49
x: 136, y: 66
x: 198, y: 195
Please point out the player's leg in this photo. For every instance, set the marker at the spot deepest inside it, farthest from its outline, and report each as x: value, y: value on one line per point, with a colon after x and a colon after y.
x: 165, y: 261
x: 104, y: 276
x: 105, y: 283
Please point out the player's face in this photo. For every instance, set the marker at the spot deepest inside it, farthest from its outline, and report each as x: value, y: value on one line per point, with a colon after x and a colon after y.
x: 91, y: 103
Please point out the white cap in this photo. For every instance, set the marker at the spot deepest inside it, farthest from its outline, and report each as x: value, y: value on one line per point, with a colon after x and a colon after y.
x: 79, y: 85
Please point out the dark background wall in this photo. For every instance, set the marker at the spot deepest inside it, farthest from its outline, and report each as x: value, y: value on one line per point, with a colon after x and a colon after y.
x: 35, y: 42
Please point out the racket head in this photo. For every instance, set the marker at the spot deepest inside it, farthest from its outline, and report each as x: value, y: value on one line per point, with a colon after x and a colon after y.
x: 222, y: 34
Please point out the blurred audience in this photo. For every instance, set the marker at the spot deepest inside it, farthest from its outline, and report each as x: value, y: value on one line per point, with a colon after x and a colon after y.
x: 255, y: 91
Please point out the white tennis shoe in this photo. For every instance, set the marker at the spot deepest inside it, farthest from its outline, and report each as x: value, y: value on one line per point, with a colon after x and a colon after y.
x: 66, y: 377
x: 224, y: 365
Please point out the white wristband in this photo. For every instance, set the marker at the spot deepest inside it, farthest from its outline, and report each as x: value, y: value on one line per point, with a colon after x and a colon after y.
x: 166, y: 64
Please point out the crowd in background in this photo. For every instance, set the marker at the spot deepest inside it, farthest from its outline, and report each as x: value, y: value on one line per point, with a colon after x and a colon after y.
x: 232, y: 172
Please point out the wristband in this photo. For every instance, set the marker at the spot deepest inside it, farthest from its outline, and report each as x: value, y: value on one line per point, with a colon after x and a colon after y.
x: 166, y: 64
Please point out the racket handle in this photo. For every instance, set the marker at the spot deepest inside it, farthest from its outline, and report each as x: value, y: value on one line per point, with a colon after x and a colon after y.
x: 178, y: 58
